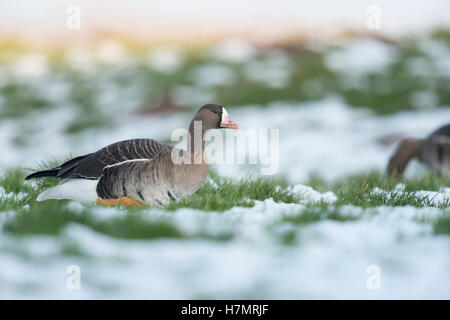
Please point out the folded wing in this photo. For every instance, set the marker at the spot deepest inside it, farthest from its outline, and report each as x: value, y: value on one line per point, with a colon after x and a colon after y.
x: 91, y: 166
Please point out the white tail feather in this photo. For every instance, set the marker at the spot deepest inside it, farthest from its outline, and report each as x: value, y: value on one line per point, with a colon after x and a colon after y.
x: 83, y: 190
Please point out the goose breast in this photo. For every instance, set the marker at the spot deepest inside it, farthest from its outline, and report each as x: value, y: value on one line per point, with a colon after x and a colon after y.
x: 435, y: 151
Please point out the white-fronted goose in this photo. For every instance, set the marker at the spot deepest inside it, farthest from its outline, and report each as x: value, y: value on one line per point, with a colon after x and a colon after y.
x: 433, y: 151
x: 139, y: 170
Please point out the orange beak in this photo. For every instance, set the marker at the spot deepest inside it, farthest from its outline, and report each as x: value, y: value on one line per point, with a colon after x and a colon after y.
x: 228, y: 123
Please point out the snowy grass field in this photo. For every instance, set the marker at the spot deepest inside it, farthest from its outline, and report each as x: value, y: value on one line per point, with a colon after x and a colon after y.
x: 247, y: 239
x: 311, y: 231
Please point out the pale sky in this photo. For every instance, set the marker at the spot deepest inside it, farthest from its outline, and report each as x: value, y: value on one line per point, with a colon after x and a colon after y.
x: 209, y: 18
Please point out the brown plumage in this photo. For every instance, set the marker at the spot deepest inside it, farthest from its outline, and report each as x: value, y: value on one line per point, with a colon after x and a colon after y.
x: 433, y: 151
x: 143, y: 169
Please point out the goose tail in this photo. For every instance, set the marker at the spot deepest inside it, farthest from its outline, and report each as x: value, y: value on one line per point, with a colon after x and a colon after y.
x: 44, y: 173
x: 82, y: 190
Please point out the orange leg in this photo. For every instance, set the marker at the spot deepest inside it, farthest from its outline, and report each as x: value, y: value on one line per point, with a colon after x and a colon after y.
x: 122, y: 201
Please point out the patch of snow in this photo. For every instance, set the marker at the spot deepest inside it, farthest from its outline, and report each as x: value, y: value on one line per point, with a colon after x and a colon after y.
x: 165, y: 60
x: 439, y: 53
x: 30, y: 65
x: 435, y: 198
x: 192, y: 95
x: 425, y: 99
x: 327, y: 260
x: 361, y: 56
x: 112, y: 53
x: 5, y: 216
x: 210, y: 75
x: 272, y: 71
x: 212, y: 182
x: 82, y: 59
x: 76, y: 206
x: 12, y: 195
x: 420, y: 66
x: 233, y: 50
x: 310, y: 195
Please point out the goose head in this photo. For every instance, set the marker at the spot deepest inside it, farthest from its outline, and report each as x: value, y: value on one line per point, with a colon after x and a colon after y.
x: 213, y: 116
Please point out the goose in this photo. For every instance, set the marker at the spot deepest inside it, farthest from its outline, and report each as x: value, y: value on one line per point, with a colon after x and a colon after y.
x: 138, y: 171
x: 434, y: 152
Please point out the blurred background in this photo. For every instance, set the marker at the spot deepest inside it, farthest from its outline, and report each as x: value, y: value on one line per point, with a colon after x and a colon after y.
x: 344, y: 81
x: 341, y: 81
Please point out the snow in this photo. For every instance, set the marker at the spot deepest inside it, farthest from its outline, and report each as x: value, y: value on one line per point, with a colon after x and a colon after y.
x: 186, y: 95
x: 424, y: 99
x: 11, y: 195
x: 80, y: 58
x: 165, y: 60
x: 110, y: 52
x: 326, y: 138
x: 360, y: 56
x: 436, y: 198
x: 311, y: 195
x: 233, y: 50
x: 439, y: 53
x: 272, y: 71
x: 330, y: 259
x: 30, y: 65
x: 213, y: 75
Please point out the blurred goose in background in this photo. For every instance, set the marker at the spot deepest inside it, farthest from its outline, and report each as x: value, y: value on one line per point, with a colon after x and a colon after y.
x: 138, y: 171
x: 433, y: 151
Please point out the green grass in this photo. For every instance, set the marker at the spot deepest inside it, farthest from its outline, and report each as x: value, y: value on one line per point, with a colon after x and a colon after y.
x: 51, y: 217
x: 217, y: 195
x: 357, y: 190
x: 20, y: 99
x: 228, y: 193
